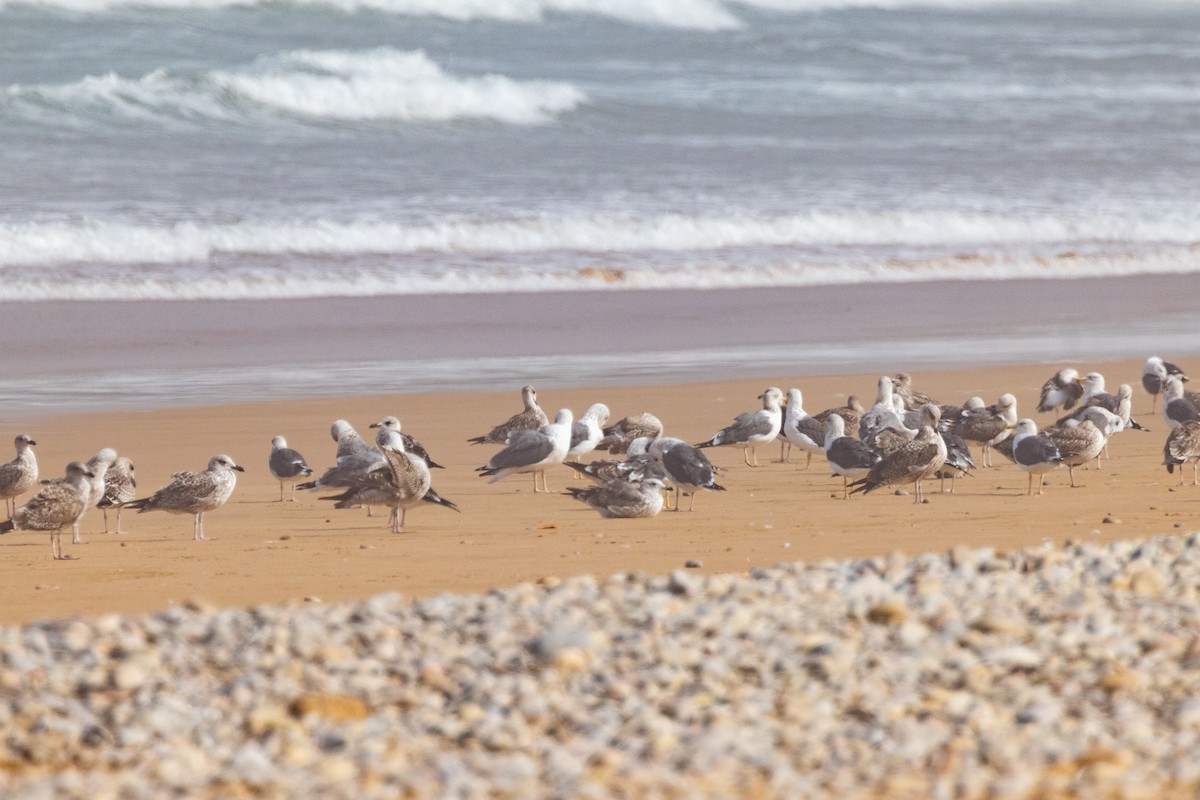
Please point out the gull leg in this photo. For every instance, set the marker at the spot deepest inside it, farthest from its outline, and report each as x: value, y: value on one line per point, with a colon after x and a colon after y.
x: 845, y: 488
x: 692, y: 500
x: 293, y: 491
x: 54, y: 548
x: 808, y: 463
x: 1071, y: 472
x: 784, y: 444
x: 676, y: 508
x: 119, y: 509
x: 281, y: 491
x: 104, y: 511
x: 75, y: 538
x: 1195, y: 466
x: 1029, y: 492
x: 199, y: 535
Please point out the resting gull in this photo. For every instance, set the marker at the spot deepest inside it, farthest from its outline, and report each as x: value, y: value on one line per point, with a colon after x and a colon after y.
x: 194, y: 492
x: 411, y: 445
x: 286, y: 464
x: 1078, y: 442
x: 532, y: 451
x: 1154, y: 374
x: 846, y: 455
x: 753, y: 427
x: 912, y: 462
x: 55, y: 507
x: 687, y: 468
x: 1063, y: 389
x: 988, y: 426
x: 1178, y: 407
x: 19, y: 475
x: 622, y: 499
x: 1120, y: 403
x: 531, y: 419
x: 617, y: 438
x: 638, y: 464
x: 1034, y: 453
x: 850, y: 413
x: 1183, y: 445
x: 120, y: 486
x: 801, y: 430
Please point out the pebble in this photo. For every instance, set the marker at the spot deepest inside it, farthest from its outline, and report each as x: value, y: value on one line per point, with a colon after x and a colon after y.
x: 1043, y: 673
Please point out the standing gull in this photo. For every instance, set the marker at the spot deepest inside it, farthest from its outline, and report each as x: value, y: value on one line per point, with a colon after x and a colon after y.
x: 19, y: 475
x: 687, y: 468
x: 958, y: 460
x: 1063, y: 389
x: 1183, y: 445
x: 846, y: 455
x: 883, y: 413
x: 195, y: 492
x: 286, y: 465
x: 912, y: 462
x: 97, y: 467
x: 622, y: 499
x: 1154, y: 375
x: 349, y: 443
x: 532, y: 451
x: 753, y: 427
x: 55, y: 507
x: 586, y: 432
x: 120, y: 486
x: 1034, y: 453
x: 801, y: 430
x: 409, y: 475
x: 988, y: 426
x: 1078, y: 442
x: 912, y: 399
x: 531, y: 419
x: 851, y: 414
x: 1178, y: 405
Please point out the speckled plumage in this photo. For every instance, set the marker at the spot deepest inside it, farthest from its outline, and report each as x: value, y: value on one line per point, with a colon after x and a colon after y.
x: 195, y: 492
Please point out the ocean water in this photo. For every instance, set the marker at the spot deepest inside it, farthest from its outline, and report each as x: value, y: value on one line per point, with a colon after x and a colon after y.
x: 176, y: 150
x: 223, y: 149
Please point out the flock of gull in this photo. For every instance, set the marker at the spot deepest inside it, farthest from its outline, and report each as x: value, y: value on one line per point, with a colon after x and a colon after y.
x: 905, y: 437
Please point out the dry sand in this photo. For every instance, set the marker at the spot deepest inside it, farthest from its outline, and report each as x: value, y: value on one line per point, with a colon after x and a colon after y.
x: 266, y: 551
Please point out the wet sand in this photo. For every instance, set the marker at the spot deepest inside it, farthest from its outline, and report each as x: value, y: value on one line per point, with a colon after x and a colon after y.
x: 267, y: 551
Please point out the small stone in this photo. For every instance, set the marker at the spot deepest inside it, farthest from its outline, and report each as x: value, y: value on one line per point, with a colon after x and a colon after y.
x: 46, y: 587
x: 333, y: 707
x: 1110, y: 520
x: 693, y: 563
x: 285, y: 537
x: 312, y: 598
x: 889, y: 612
x: 1146, y: 582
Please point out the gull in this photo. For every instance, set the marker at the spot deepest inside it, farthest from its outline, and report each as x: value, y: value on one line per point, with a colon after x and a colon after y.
x: 801, y: 430
x: 1062, y: 389
x: 1120, y: 403
x: 411, y: 445
x: 846, y: 455
x: 621, y: 499
x: 349, y: 443
x: 850, y: 413
x: 1183, y: 445
x: 1178, y: 406
x: 19, y: 475
x: 194, y: 493
x: 1034, y: 453
x: 988, y: 426
x: 120, y: 486
x: 617, y: 438
x: 586, y: 432
x: 55, y: 507
x: 406, y: 477
x: 1078, y: 442
x: 958, y: 460
x: 532, y: 451
x: 912, y: 462
x: 97, y: 468
x: 687, y: 468
x: 638, y: 464
x: 1154, y: 374
x: 753, y: 427
x: 286, y: 465
x: 883, y: 413
x: 531, y: 419
x: 913, y: 400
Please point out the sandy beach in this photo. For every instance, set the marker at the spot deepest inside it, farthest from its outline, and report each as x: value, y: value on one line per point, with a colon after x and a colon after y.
x: 266, y: 551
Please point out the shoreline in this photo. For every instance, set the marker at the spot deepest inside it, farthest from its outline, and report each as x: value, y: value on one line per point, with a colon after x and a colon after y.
x: 269, y: 552
x: 104, y: 355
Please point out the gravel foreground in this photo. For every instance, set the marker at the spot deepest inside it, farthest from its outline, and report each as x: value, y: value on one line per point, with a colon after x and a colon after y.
x: 1050, y: 673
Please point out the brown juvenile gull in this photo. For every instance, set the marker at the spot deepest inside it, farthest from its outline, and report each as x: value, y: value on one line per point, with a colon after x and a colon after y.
x: 850, y: 413
x: 531, y: 419
x: 988, y: 426
x: 753, y: 427
x: 687, y: 468
x: 19, y: 475
x: 1063, y: 389
x: 617, y: 438
x: 638, y: 464
x: 411, y: 445
x: 1034, y: 453
x: 1183, y: 445
x: 912, y: 462
x: 1078, y: 442
x: 54, y: 507
x: 120, y: 486
x: 286, y: 465
x: 801, y: 430
x: 622, y: 499
x: 902, y: 387
x: 194, y: 492
x: 97, y: 467
x: 532, y: 451
x: 846, y: 455
x: 1154, y: 374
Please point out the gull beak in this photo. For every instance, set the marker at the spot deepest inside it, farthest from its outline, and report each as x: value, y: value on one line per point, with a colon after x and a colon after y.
x: 238, y: 468
x: 373, y: 425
